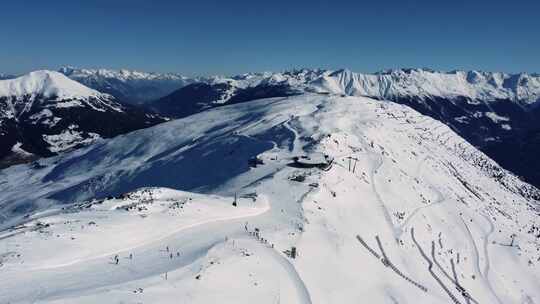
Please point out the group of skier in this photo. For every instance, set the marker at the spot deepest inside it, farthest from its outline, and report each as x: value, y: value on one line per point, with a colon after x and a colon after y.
x: 116, y: 258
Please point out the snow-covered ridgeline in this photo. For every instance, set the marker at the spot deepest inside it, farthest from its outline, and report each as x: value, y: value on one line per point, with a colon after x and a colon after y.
x: 522, y: 88
x: 423, y: 83
x: 487, y: 86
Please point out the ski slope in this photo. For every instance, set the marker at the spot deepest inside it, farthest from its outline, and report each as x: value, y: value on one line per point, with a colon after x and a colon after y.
x: 438, y: 221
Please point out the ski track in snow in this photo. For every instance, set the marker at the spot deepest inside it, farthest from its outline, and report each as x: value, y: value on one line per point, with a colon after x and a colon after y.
x: 440, y: 199
x: 396, y: 230
x: 476, y: 254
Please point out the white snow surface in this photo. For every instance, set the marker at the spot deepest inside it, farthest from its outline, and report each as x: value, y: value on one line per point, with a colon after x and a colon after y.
x: 451, y: 231
x: 49, y: 90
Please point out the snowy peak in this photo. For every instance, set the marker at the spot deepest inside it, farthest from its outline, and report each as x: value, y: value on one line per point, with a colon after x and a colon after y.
x: 48, y: 84
x: 44, y: 112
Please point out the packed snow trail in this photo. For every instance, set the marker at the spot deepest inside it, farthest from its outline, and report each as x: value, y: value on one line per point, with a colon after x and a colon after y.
x: 476, y: 254
x: 440, y: 199
x: 487, y: 265
x: 397, y: 230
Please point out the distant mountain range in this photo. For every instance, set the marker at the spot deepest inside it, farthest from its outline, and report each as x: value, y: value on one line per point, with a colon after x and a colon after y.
x: 129, y: 86
x: 422, y: 85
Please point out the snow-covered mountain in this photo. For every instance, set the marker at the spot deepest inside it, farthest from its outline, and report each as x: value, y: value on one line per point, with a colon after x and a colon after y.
x: 43, y: 113
x: 523, y: 89
x: 420, y: 85
x: 129, y: 86
x: 496, y: 112
x: 303, y: 199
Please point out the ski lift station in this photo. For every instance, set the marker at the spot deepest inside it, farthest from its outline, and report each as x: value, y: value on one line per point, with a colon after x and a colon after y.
x: 313, y: 160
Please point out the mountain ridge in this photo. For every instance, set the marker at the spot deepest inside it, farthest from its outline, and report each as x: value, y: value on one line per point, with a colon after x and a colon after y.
x: 478, y: 84
x: 46, y: 84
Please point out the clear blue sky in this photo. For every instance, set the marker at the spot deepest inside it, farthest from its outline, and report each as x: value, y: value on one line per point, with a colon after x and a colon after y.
x: 230, y: 37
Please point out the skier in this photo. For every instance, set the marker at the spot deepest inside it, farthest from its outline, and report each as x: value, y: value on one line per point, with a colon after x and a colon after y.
x: 171, y: 256
x: 116, y: 259
x: 178, y: 253
x: 131, y: 256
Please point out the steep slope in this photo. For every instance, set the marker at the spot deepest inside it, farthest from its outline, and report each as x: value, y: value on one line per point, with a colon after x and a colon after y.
x: 129, y: 86
x: 404, y: 211
x: 44, y: 113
